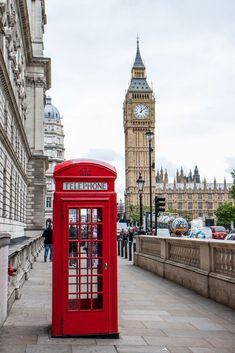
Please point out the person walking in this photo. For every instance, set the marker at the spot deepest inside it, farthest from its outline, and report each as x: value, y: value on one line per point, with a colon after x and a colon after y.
x: 47, y: 234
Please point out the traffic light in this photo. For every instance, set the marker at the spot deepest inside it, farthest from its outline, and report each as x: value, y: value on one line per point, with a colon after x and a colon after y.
x: 160, y: 203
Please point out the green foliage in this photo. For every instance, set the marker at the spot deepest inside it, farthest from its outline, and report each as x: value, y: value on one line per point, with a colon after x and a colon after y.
x: 134, y: 213
x: 171, y: 210
x: 188, y: 215
x: 225, y: 213
x: 232, y: 190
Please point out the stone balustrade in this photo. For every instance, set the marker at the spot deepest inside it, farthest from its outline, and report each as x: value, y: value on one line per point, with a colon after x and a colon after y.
x: 205, y: 266
x: 22, y: 256
x: 4, y: 243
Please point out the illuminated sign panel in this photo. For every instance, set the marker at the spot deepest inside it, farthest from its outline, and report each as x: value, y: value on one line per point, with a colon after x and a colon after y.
x: 96, y: 186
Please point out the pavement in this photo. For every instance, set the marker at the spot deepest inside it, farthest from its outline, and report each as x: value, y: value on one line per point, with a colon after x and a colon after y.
x: 155, y: 316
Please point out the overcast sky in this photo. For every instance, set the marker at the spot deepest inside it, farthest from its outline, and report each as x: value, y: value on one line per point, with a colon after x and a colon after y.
x: 188, y: 47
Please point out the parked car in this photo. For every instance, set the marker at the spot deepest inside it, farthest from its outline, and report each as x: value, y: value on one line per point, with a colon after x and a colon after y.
x: 218, y: 232
x: 230, y: 236
x: 200, y: 233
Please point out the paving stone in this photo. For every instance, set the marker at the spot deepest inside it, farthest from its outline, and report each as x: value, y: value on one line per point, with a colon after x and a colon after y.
x: 140, y: 313
x: 141, y: 317
x: 208, y: 350
x: 130, y: 324
x: 206, y: 324
x: 142, y: 331
x: 167, y: 325
x: 18, y: 338
x: 45, y: 339
x: 43, y: 348
x: 222, y: 342
x: 11, y: 348
x: 179, y: 349
x: 229, y: 327
x: 196, y: 333
x: 93, y: 349
x: 123, y: 340
x: 147, y: 349
x: 9, y: 331
x: 177, y: 341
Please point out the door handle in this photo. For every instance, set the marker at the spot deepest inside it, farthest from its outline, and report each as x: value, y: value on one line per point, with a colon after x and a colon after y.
x: 106, y: 265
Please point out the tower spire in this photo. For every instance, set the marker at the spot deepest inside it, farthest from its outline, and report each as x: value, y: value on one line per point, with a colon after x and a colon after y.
x: 138, y: 64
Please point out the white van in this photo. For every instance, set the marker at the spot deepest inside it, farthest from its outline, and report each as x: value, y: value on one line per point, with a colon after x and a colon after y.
x: 121, y: 226
x: 163, y: 232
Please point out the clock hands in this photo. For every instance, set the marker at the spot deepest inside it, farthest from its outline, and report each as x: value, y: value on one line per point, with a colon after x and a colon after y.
x: 141, y: 111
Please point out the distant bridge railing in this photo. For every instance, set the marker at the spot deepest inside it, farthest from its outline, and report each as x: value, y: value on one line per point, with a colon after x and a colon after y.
x: 205, y: 266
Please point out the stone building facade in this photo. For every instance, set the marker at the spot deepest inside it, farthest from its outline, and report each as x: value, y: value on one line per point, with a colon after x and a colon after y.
x: 54, y: 150
x: 24, y: 78
x: 138, y: 119
x: 190, y: 196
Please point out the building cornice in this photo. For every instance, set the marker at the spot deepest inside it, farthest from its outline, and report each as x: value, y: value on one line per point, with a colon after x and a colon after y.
x: 27, y: 41
x: 25, y: 25
x: 45, y: 63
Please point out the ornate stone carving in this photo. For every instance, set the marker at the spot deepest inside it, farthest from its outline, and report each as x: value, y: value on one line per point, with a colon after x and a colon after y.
x: 40, y: 82
x: 30, y: 81
x: 35, y: 81
x: 3, y: 16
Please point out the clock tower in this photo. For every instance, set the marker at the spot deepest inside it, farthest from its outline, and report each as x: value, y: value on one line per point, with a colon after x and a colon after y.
x: 139, y: 119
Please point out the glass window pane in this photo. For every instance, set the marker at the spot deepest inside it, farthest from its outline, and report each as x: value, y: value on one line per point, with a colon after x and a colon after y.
x: 73, y: 254
x: 85, y: 215
x: 73, y: 215
x: 99, y: 231
x: 73, y: 302
x: 96, y: 215
x: 85, y: 231
x: 73, y: 231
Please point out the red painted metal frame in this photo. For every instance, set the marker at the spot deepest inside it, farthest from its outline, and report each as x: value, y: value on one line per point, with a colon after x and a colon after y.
x: 102, y: 322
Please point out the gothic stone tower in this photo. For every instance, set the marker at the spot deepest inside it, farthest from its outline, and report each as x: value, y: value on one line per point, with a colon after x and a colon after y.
x: 139, y: 118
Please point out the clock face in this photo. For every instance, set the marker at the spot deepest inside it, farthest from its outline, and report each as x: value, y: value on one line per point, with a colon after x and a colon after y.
x: 141, y: 111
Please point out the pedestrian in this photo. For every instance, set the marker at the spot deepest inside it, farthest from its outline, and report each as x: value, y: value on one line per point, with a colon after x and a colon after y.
x: 47, y: 235
x: 131, y: 234
x: 123, y: 234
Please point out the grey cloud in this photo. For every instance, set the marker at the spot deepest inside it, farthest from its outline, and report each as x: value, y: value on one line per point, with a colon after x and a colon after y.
x: 230, y: 161
x: 103, y: 154
x: 163, y: 162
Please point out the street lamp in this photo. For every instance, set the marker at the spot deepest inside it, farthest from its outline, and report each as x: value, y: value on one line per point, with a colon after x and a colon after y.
x: 140, y: 184
x: 150, y: 136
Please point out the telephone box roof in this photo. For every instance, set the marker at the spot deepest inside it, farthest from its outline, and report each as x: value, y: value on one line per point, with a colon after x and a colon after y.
x: 86, y: 162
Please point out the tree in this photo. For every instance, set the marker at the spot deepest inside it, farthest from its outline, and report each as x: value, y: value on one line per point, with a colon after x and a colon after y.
x: 225, y: 213
x: 188, y: 215
x: 232, y: 190
x: 134, y: 213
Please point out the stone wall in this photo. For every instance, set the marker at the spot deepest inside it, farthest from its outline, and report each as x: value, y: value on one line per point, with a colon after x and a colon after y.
x: 4, y: 242
x: 21, y: 257
x: 205, y: 266
x: 36, y: 194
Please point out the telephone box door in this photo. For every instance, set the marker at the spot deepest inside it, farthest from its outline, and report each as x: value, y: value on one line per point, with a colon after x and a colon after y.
x: 86, y: 267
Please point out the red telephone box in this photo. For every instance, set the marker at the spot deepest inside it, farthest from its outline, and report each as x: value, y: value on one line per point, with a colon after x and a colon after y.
x: 84, y: 250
